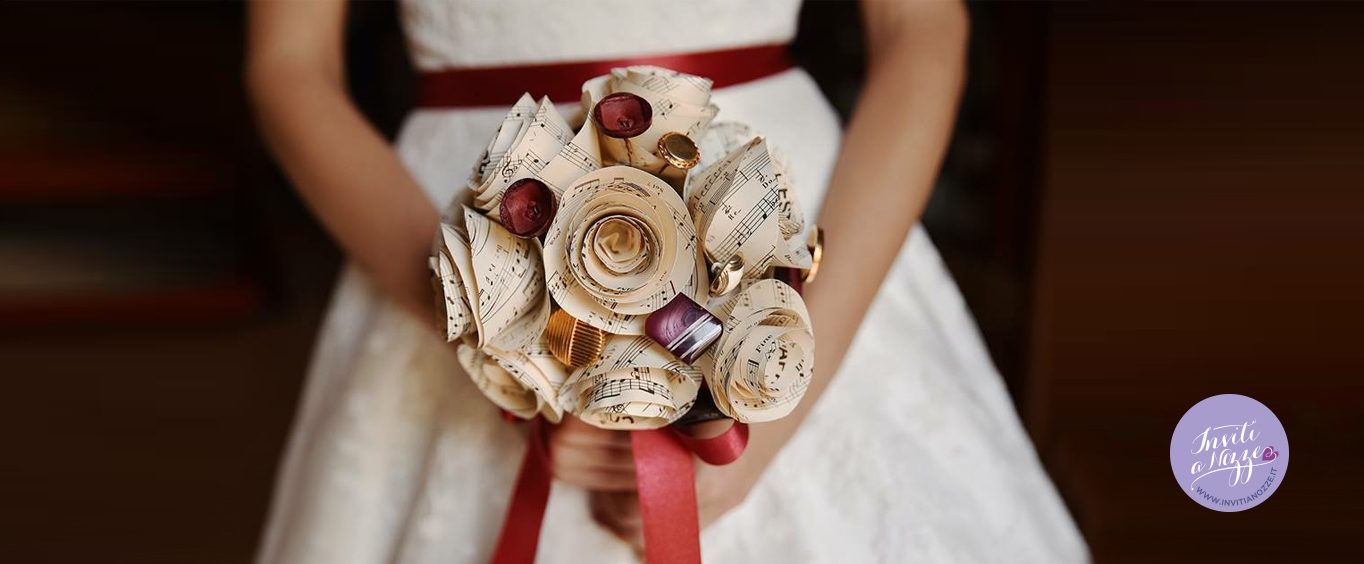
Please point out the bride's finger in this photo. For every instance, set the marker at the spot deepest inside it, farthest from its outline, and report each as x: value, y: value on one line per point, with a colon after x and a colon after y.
x: 597, y: 480
x: 574, y: 431
x: 600, y: 438
x: 608, y: 459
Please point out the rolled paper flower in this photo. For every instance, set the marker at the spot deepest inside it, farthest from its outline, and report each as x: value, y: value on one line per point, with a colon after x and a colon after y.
x: 533, y: 141
x: 527, y: 208
x: 634, y: 385
x: 491, y: 283
x: 620, y: 248
x: 678, y: 102
x: 684, y: 328
x: 744, y: 205
x: 763, y: 363
x: 524, y: 382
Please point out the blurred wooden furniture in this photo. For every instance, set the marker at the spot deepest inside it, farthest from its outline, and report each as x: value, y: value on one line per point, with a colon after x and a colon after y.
x: 1200, y: 234
x: 121, y: 205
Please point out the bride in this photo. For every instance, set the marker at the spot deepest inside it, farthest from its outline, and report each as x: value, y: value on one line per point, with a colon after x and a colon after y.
x: 906, y: 447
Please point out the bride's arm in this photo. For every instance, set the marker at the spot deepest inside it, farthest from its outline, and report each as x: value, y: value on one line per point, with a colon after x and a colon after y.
x: 890, y: 159
x: 355, y: 183
x: 343, y: 168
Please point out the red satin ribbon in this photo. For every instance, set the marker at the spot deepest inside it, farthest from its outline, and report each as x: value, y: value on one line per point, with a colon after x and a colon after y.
x: 665, y: 476
x: 562, y: 82
x: 667, y: 493
x: 520, y: 536
x: 719, y: 450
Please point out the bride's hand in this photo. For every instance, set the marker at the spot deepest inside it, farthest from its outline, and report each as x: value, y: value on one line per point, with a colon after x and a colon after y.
x: 719, y: 489
x: 593, y: 459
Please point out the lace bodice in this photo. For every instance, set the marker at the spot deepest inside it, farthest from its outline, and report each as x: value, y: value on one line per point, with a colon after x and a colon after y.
x: 475, y: 33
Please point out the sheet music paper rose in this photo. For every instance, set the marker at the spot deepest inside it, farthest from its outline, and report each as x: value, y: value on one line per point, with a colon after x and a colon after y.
x: 491, y: 284
x: 765, y: 358
x: 635, y: 384
x: 621, y: 244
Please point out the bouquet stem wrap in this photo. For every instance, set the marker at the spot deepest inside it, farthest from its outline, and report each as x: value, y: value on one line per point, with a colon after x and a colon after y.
x: 667, y: 492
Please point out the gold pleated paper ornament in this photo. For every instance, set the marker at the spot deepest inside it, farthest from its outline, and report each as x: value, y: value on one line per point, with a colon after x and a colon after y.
x: 573, y: 342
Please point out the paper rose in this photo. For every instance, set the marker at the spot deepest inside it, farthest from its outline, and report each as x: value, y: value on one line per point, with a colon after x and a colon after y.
x: 533, y: 141
x: 491, y: 284
x: 762, y: 364
x: 636, y: 384
x: 630, y: 202
x: 523, y: 382
x: 621, y: 246
x: 529, y: 135
x: 677, y: 102
x: 744, y: 205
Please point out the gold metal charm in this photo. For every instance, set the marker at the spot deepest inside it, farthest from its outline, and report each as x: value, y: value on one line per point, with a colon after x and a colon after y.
x: 725, y: 276
x: 679, y: 154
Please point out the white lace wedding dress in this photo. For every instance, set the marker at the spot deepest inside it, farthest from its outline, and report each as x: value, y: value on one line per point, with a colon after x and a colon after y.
x: 914, y: 454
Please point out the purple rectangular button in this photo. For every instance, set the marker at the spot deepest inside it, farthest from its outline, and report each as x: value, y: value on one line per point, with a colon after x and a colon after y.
x: 683, y: 327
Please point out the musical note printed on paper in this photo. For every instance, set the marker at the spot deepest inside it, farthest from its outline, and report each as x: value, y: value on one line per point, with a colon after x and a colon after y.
x: 636, y: 384
x: 621, y: 247
x: 744, y: 205
x: 533, y: 141
x: 764, y: 360
x: 492, y: 283
x: 680, y: 103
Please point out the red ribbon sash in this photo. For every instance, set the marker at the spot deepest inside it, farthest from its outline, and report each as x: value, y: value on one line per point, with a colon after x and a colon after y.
x: 562, y: 82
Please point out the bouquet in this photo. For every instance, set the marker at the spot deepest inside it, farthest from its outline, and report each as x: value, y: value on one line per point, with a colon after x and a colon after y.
x: 632, y: 263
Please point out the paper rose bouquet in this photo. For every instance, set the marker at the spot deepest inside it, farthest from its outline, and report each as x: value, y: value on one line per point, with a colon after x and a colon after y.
x: 617, y: 265
x: 621, y: 261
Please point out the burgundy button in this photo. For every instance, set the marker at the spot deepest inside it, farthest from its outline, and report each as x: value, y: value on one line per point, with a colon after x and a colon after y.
x: 623, y: 115
x: 527, y: 208
x: 684, y: 328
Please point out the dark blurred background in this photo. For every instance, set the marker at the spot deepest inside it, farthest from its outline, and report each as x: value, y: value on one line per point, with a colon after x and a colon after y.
x: 1144, y: 205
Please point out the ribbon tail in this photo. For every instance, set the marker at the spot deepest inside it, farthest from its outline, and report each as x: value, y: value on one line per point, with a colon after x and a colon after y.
x: 719, y: 450
x: 520, y: 536
x: 667, y: 498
